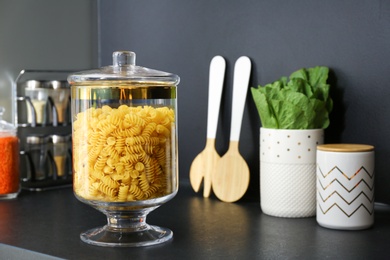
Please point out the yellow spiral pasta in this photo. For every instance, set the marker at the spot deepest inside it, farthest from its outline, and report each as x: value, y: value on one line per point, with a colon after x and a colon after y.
x: 163, y: 130
x: 100, y: 163
x: 123, y: 154
x: 153, y: 189
x: 126, y: 179
x: 134, y: 149
x: 107, y: 190
x: 149, y: 129
x: 123, y: 191
x: 144, y: 183
x: 137, y: 192
x: 129, y: 159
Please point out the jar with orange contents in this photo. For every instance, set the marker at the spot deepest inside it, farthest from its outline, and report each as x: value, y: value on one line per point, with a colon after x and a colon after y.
x: 9, y: 154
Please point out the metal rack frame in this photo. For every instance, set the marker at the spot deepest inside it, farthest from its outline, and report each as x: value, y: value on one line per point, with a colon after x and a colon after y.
x: 25, y: 129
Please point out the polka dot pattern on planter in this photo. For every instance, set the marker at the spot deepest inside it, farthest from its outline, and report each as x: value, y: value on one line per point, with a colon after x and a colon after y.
x: 289, y: 146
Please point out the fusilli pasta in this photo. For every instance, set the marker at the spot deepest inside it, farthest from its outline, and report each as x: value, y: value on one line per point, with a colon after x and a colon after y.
x: 121, y: 154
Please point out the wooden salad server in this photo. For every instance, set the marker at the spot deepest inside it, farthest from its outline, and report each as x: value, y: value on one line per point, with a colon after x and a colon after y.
x: 231, y: 178
x: 204, y: 164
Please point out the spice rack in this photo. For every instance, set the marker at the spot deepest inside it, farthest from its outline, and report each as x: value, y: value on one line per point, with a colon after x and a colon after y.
x: 42, y: 116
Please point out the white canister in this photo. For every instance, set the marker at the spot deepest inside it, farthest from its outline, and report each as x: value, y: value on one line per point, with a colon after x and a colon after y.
x: 345, y: 186
x: 288, y: 171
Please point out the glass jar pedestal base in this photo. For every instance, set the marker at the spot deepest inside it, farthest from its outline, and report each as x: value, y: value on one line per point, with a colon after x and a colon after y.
x: 125, y: 230
x: 141, y: 235
x: 126, y: 224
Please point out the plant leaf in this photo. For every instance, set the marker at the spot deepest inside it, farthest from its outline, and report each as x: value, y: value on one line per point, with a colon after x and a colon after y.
x: 302, y: 102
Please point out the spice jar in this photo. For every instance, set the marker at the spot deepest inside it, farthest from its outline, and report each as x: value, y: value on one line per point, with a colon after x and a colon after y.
x: 37, y: 151
x: 59, y: 92
x: 124, y: 143
x: 38, y: 96
x: 9, y: 154
x: 59, y: 147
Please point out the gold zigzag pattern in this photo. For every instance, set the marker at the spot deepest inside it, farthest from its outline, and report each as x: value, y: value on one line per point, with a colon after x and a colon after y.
x: 345, y: 188
x: 361, y: 169
x: 349, y: 203
x: 346, y: 176
x: 348, y: 215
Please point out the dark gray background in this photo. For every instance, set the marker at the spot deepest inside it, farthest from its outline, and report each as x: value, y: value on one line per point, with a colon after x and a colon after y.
x: 350, y: 37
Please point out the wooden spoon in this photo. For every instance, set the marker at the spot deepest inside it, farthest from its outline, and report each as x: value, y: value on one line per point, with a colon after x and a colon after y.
x: 204, y: 163
x: 231, y: 178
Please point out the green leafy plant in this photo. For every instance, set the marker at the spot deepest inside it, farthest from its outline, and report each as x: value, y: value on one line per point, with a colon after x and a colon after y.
x: 300, y: 102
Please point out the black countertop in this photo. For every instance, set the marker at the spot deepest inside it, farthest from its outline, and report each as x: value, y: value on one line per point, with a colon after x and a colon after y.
x: 50, y: 222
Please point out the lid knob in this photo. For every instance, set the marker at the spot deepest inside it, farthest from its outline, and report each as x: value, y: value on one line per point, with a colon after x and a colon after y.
x: 123, y: 58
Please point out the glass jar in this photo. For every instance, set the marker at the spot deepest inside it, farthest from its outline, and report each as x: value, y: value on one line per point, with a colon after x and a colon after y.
x: 59, y: 148
x: 38, y: 96
x: 9, y: 154
x: 124, y: 146
x: 37, y: 151
x: 59, y: 92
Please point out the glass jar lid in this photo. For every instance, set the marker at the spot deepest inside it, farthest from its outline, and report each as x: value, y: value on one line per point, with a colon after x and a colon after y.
x: 6, y: 128
x: 124, y: 69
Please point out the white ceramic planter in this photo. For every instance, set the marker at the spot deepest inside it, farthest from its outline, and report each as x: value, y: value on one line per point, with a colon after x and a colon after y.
x: 288, y: 171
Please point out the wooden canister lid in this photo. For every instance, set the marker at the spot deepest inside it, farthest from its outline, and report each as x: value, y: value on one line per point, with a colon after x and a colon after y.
x: 346, y: 148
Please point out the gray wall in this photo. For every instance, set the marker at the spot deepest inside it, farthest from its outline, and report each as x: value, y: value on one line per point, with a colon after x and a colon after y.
x: 44, y: 35
x: 351, y: 37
